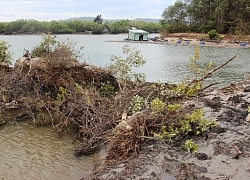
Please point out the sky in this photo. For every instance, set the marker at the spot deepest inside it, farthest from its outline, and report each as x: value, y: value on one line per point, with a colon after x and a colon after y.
x: 47, y: 10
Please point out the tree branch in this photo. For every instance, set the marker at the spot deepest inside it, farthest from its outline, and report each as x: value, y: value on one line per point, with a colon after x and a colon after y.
x: 210, y: 72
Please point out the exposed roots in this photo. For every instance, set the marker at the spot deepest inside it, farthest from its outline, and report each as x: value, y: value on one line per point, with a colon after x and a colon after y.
x: 70, y: 97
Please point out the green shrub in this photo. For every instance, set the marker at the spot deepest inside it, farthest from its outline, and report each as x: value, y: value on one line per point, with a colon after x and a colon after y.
x: 157, y: 105
x: 191, y: 122
x: 137, y: 103
x: 45, y: 47
x: 190, y: 146
x: 196, y: 118
x: 167, y: 132
x: 60, y: 95
x: 106, y: 89
x: 205, y: 124
x: 57, y: 53
x: 122, y: 68
x: 5, y: 55
x: 213, y: 34
x: 173, y: 107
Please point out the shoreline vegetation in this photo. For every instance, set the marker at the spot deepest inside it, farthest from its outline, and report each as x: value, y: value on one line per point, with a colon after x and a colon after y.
x: 23, y: 26
x: 136, y: 119
x: 234, y: 39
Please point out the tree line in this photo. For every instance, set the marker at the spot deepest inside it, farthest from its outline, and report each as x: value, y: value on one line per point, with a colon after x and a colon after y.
x: 201, y: 16
x: 31, y: 26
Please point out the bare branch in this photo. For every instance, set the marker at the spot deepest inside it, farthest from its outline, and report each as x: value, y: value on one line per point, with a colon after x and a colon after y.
x: 210, y: 72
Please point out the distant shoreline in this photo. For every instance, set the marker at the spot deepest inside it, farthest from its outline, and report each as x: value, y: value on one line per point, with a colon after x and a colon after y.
x: 184, y: 39
x: 187, y: 39
x: 227, y: 41
x: 190, y: 42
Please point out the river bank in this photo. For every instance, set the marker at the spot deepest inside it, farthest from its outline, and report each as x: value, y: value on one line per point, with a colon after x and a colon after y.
x: 224, y: 41
x: 187, y: 39
x: 223, y: 152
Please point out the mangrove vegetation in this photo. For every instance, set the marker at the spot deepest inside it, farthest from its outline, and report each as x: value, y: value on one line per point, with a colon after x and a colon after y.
x: 31, y: 26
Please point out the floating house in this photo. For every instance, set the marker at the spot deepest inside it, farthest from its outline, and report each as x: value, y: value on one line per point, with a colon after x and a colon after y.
x: 137, y: 35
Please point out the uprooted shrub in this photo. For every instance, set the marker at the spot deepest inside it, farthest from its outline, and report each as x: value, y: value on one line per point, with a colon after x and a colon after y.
x: 57, y: 89
x: 57, y: 53
x: 102, y: 106
x: 163, y: 117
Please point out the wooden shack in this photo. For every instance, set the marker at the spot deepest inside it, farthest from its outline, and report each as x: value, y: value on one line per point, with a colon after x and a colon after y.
x: 137, y: 35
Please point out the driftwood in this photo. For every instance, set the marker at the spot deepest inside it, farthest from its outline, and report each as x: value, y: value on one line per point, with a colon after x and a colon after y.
x: 238, y: 152
x: 208, y: 74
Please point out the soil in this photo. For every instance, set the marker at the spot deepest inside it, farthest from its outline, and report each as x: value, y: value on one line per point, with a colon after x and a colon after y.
x: 223, y: 151
x: 193, y: 39
x: 226, y: 41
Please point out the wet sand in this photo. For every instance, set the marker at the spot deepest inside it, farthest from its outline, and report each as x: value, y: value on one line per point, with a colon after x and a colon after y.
x: 218, y: 156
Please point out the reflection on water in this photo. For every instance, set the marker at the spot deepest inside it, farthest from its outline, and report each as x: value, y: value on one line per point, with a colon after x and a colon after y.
x: 28, y: 152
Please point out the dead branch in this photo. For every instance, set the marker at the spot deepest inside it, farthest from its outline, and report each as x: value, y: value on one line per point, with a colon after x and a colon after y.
x: 208, y: 86
x: 209, y: 73
x: 238, y: 152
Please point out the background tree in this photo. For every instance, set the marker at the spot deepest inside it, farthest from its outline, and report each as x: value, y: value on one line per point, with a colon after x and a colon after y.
x: 176, y: 17
x: 200, y: 15
x: 121, y: 26
x: 2, y: 27
x: 98, y: 19
x: 96, y: 28
x: 74, y: 26
x: 224, y: 16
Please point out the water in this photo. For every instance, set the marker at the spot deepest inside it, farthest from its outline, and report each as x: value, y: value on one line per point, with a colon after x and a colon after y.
x: 164, y: 62
x: 37, y: 153
x: 29, y: 153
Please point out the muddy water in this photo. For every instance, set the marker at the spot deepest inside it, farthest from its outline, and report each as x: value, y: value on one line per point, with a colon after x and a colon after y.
x: 28, y: 152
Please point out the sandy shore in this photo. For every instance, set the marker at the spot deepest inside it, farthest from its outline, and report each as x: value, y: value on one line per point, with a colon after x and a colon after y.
x: 184, y: 39
x: 194, y: 41
x: 203, y: 40
x: 188, y: 41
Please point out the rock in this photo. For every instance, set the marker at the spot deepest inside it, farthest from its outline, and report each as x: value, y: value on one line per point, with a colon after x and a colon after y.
x: 32, y: 62
x: 2, y: 122
x: 214, y: 103
x: 202, y: 156
x: 247, y: 88
x: 202, y: 169
x: 248, y: 118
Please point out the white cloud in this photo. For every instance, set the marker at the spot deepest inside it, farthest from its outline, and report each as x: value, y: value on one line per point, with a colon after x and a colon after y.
x: 64, y: 9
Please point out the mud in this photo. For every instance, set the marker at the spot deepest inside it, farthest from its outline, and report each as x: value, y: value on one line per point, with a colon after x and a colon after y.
x: 223, y: 151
